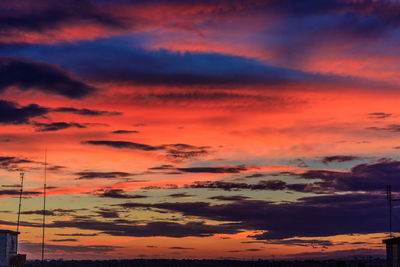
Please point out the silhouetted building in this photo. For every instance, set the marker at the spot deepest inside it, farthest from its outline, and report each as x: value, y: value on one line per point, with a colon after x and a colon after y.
x: 392, y: 252
x: 8, y: 246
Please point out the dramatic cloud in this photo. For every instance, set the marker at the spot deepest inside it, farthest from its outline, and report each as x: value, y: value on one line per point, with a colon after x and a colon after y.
x: 76, y: 234
x: 117, y: 193
x: 12, y: 113
x: 180, y: 195
x: 236, y: 169
x: 114, y: 61
x: 102, y: 175
x: 184, y: 151
x: 53, y: 212
x: 374, y: 177
x: 13, y: 163
x: 42, y: 16
x: 229, y: 198
x: 157, y: 228
x: 307, y: 217
x: 273, y: 185
x: 64, y: 240
x: 108, y: 213
x: 17, y: 192
x: 124, y: 132
x: 124, y: 144
x: 86, y: 112
x: 264, y: 120
x: 173, y: 151
x: 28, y: 75
x: 339, y: 158
x: 368, y: 177
x: 261, y: 185
x: 394, y: 128
x: 56, y: 126
x: 379, y: 115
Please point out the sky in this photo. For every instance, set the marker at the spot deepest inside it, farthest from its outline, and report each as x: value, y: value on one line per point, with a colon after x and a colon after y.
x: 218, y: 129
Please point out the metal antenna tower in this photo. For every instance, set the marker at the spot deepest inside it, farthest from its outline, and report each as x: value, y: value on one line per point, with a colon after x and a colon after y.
x: 390, y: 200
x: 20, y: 201
x: 44, y: 202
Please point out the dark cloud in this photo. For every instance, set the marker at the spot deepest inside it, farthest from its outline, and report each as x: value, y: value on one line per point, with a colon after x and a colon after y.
x: 255, y: 175
x: 394, y: 128
x: 163, y: 167
x: 53, y: 212
x: 299, y: 29
x: 308, y: 217
x: 368, y: 177
x: 117, y: 193
x: 123, y: 144
x: 180, y: 248
x: 261, y: 185
x: 13, y: 163
x: 156, y: 228
x: 102, y: 175
x: 167, y: 186
x: 273, y: 185
x: 173, y: 151
x: 64, y: 240
x: 124, y: 132
x: 339, y: 158
x: 103, y: 60
x: 27, y: 75
x: 86, y: 112
x: 184, y: 151
x: 43, y: 15
x: 108, y: 213
x: 76, y: 234
x: 17, y: 192
x: 215, y: 99
x: 12, y: 113
x: 315, y: 216
x: 229, y: 198
x: 12, y: 185
x: 254, y: 249
x: 56, y: 126
x: 374, y: 176
x: 180, y: 195
x: 379, y: 115
x: 235, y: 169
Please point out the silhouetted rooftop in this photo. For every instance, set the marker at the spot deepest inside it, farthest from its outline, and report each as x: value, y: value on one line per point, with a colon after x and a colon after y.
x: 393, y: 240
x: 9, y: 232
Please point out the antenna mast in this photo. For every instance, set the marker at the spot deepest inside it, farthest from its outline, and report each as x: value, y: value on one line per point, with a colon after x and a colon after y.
x: 44, y: 202
x: 389, y: 198
x: 20, y: 201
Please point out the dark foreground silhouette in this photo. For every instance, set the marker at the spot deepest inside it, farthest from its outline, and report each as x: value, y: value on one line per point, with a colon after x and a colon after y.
x: 209, y: 263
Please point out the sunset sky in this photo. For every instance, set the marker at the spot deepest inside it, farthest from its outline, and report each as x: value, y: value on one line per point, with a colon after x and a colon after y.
x: 200, y: 129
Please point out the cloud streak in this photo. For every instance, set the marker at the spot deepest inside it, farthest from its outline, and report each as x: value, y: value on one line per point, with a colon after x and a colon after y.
x: 44, y: 77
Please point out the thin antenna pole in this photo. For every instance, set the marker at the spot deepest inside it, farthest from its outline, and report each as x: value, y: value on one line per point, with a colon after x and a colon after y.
x: 389, y: 198
x: 20, y: 201
x: 44, y: 202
